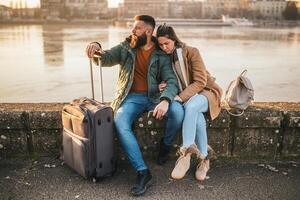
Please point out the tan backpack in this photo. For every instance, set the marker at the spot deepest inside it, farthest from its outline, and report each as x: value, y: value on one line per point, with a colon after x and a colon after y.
x: 239, y: 94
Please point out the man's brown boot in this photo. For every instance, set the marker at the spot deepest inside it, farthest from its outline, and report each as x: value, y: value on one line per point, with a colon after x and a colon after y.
x: 183, y: 162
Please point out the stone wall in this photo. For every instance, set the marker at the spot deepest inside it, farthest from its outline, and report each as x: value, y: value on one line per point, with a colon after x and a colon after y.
x: 266, y: 130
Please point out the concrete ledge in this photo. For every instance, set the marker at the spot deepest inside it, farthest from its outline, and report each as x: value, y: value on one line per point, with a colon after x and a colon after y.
x: 265, y: 130
x: 291, y: 135
x: 257, y: 133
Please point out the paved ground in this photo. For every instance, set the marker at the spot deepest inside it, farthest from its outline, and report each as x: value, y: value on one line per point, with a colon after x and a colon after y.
x: 21, y: 179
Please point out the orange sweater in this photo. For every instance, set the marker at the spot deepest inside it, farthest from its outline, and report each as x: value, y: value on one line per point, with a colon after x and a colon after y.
x: 140, y: 83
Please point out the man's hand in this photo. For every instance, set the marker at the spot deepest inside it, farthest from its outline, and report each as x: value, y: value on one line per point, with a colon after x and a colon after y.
x: 161, y: 109
x: 177, y: 98
x: 162, y: 86
x: 92, y: 48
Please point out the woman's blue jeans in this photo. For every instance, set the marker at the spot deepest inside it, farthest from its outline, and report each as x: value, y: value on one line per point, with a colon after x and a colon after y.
x: 131, y: 108
x: 194, y: 124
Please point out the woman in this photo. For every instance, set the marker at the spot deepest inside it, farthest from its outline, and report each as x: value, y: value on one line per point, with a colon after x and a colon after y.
x: 199, y: 94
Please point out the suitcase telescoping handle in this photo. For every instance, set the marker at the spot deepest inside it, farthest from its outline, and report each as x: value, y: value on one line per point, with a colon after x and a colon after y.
x: 100, y: 77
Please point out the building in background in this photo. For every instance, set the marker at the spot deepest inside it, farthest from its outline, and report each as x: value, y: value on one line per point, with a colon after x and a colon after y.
x: 217, y: 8
x: 113, y: 13
x: 268, y: 9
x: 155, y: 8
x: 87, y: 9
x: 160, y: 9
x: 18, y: 10
x: 5, y: 12
x: 51, y: 9
x: 232, y: 7
x: 74, y: 9
x: 190, y: 9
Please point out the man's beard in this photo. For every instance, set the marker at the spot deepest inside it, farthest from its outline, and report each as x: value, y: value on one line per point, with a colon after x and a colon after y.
x: 137, y: 41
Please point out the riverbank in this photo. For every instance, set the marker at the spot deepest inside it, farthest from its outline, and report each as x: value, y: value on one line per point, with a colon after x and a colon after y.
x: 61, y: 21
x: 276, y: 23
x: 174, y: 22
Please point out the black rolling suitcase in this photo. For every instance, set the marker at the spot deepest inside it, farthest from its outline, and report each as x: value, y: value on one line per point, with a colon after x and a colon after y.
x: 88, y: 136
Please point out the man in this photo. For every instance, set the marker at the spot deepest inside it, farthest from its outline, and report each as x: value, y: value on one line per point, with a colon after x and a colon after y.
x: 142, y: 67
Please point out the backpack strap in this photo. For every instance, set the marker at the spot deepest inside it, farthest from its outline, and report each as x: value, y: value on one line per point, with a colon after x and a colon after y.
x: 235, y: 114
x: 243, y: 73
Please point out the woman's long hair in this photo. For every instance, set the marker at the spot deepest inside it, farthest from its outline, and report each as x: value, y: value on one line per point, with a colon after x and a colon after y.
x: 168, y: 32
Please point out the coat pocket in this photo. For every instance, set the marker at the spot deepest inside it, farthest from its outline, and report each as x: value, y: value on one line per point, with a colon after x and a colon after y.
x: 75, y: 152
x: 74, y: 121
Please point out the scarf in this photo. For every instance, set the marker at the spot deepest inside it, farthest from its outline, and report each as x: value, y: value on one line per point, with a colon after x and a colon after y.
x: 179, y: 68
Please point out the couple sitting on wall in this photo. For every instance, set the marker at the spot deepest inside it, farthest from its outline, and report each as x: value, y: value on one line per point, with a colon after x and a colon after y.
x: 165, y: 75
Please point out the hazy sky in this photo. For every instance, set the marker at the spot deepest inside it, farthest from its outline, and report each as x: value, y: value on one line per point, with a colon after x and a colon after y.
x: 33, y: 3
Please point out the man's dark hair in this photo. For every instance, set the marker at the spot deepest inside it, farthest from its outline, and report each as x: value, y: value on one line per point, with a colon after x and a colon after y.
x: 147, y: 19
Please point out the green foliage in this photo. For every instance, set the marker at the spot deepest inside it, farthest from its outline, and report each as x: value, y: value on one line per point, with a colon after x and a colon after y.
x: 291, y: 11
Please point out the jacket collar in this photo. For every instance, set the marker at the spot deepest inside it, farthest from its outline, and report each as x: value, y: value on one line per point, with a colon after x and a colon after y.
x: 157, y: 52
x: 184, y: 49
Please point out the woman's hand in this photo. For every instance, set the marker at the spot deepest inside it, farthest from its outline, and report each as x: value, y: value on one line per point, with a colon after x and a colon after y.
x: 177, y: 98
x: 162, y: 86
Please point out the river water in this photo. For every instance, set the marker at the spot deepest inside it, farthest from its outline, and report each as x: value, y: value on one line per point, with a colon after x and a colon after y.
x: 47, y: 63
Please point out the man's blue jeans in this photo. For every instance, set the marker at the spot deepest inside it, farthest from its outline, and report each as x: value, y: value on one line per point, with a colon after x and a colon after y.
x: 131, y: 108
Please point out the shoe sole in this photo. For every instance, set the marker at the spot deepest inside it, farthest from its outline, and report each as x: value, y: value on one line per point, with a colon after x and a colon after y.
x: 177, y: 178
x: 149, y: 184
x: 199, y: 179
x: 181, y: 177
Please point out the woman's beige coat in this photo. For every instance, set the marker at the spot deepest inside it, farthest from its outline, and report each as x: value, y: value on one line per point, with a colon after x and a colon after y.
x: 200, y: 81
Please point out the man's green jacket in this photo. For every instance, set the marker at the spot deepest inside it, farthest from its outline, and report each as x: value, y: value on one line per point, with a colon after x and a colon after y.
x: 159, y: 69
